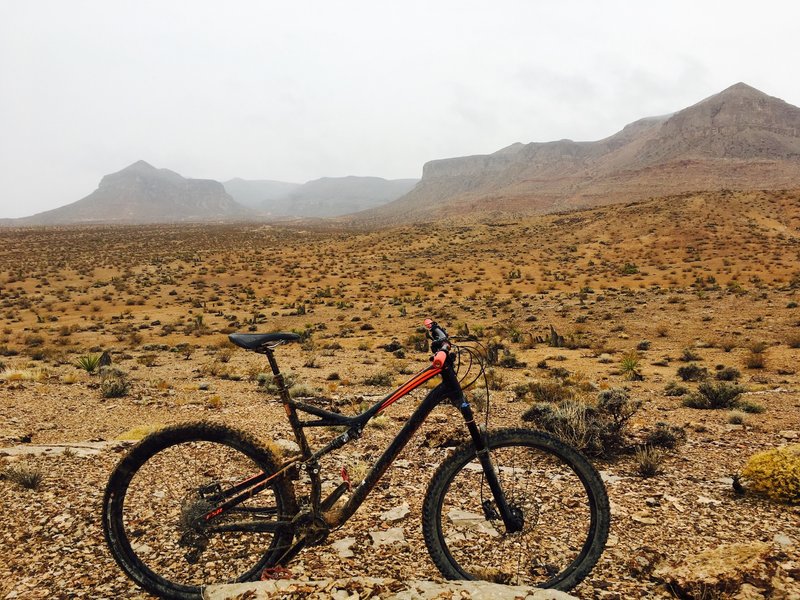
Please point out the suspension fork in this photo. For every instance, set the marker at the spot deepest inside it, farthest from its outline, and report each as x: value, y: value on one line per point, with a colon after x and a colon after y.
x: 512, y: 522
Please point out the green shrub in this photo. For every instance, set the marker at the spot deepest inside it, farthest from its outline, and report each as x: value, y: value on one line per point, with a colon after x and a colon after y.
x: 550, y: 391
x: 692, y: 372
x: 775, y: 473
x: 630, y: 367
x: 384, y: 379
x: 748, y: 406
x: 88, y: 362
x: 714, y: 396
x: 673, y: 388
x: 689, y: 355
x: 728, y: 374
x: 666, y: 435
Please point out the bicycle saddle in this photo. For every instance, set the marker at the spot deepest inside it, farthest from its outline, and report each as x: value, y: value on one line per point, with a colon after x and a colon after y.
x: 255, y: 341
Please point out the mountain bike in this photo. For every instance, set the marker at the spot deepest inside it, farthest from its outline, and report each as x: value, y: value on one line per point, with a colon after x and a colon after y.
x: 197, y: 504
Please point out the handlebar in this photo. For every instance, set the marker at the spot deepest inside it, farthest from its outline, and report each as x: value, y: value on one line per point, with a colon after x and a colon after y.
x: 440, y: 344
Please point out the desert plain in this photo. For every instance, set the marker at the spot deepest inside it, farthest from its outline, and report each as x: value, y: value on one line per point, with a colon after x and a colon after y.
x: 635, y: 292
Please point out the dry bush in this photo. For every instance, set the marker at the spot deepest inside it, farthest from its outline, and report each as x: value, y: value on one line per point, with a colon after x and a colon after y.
x: 599, y: 430
x: 648, y: 461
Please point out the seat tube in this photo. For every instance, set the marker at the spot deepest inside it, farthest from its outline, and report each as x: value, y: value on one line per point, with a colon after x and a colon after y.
x: 291, y: 411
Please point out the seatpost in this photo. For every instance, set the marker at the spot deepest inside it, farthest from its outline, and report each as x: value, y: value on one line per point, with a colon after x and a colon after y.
x: 276, y: 372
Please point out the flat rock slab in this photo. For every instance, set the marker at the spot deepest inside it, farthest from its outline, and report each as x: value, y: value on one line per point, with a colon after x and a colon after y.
x: 80, y: 449
x: 362, y: 587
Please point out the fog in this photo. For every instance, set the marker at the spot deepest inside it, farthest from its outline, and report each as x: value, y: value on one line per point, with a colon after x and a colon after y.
x: 297, y: 91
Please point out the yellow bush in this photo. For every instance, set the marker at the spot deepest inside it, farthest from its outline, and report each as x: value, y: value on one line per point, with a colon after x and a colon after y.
x: 776, y: 473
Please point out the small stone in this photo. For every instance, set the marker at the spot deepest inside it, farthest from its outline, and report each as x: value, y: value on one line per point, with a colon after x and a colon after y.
x: 706, y: 500
x: 644, y: 519
x: 204, y: 385
x: 398, y: 513
x: 609, y: 477
x: 288, y: 447
x: 784, y: 541
x: 390, y: 536
x: 344, y: 547
x: 789, y: 434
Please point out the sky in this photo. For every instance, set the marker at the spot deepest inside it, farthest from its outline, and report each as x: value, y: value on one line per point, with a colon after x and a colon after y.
x: 293, y: 91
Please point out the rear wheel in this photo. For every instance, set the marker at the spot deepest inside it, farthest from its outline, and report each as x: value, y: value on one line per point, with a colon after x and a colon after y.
x: 156, y: 498
x: 550, y: 487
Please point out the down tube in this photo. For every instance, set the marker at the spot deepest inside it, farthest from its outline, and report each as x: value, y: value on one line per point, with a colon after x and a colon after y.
x: 434, y: 397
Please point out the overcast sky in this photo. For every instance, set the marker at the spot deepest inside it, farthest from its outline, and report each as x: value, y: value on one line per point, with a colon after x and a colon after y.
x: 297, y: 90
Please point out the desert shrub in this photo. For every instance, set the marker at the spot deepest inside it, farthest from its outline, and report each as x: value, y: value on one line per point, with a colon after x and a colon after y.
x: 689, y: 355
x: 113, y: 383
x: 333, y: 377
x: 692, y: 372
x: 736, y: 417
x: 550, y: 391
x: 34, y: 341
x: 750, y: 407
x: 643, y: 346
x: 383, y: 379
x: 666, y: 435
x: 24, y: 476
x: 147, y: 360
x: 571, y: 421
x: 775, y: 473
x: 510, y: 361
x: 495, y: 379
x: 270, y: 385
x: 714, y: 395
x: 302, y: 390
x: 598, y: 430
x: 673, y: 388
x: 793, y: 340
x: 755, y: 360
x: 629, y: 366
x: 648, y: 461
x: 728, y: 374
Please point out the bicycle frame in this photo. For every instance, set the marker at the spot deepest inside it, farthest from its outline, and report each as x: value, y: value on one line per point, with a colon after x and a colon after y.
x: 323, y: 509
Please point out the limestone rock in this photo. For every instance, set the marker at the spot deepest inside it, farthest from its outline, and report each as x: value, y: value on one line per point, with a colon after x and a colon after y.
x: 722, y: 570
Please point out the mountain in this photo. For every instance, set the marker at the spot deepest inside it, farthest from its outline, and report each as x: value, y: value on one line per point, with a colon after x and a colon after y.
x: 739, y: 138
x: 332, y: 196
x: 260, y: 194
x: 325, y: 197
x: 140, y: 193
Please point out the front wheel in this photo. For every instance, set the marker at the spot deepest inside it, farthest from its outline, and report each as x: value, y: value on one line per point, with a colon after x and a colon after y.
x: 553, y: 492
x: 158, y: 494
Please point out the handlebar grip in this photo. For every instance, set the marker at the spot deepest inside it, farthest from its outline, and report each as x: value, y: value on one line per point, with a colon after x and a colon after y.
x: 439, y: 359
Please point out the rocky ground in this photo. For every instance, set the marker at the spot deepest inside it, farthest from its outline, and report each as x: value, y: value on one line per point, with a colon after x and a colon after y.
x: 162, y: 308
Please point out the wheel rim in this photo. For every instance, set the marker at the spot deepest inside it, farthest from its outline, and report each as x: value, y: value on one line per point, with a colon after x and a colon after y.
x: 555, y: 504
x: 160, y: 505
